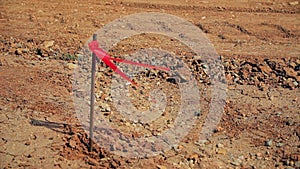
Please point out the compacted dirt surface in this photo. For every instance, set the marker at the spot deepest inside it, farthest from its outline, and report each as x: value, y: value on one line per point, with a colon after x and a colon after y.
x: 258, y: 43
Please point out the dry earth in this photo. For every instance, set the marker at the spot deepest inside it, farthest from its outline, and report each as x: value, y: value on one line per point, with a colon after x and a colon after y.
x: 259, y: 44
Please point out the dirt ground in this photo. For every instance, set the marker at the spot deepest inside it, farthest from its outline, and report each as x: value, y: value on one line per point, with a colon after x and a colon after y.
x: 259, y: 42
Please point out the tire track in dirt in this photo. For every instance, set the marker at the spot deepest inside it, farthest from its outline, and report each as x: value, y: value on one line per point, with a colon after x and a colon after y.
x: 238, y: 27
x: 203, y: 8
x: 287, y: 32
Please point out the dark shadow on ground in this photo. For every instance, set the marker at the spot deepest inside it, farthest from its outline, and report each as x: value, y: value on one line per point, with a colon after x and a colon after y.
x: 58, y: 127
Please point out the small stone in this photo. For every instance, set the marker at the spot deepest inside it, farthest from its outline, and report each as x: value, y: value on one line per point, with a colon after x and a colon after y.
x: 48, y: 44
x: 258, y: 156
x: 266, y: 69
x: 293, y: 3
x: 235, y: 75
x: 236, y: 162
x: 289, y: 123
x: 197, y: 57
x: 221, y: 151
x: 279, y: 144
x: 27, y: 143
x: 236, y: 79
x: 193, y: 156
x: 202, y: 143
x: 252, y: 155
x: 180, y: 147
x: 205, y: 68
x: 107, y: 113
x: 221, y: 36
x: 19, y: 51
x: 220, y: 145
x: 245, y: 73
x: 42, y: 52
x: 161, y: 167
x: 71, y: 66
x: 290, y: 83
x: 269, y: 143
x: 197, y: 113
x: 293, y: 64
x: 105, y: 107
x: 72, y: 143
x: 290, y: 72
x: 191, y: 163
x: 92, y: 161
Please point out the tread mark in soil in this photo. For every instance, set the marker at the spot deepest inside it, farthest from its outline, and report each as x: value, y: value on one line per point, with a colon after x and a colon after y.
x: 238, y: 27
x: 202, y: 8
x: 287, y: 33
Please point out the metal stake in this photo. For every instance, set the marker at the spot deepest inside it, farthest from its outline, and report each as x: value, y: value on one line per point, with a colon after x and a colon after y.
x: 92, y: 98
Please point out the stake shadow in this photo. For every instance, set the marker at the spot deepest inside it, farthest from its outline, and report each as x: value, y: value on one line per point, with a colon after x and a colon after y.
x: 57, y: 127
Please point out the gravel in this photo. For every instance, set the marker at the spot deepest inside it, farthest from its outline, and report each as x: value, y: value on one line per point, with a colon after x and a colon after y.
x: 269, y: 143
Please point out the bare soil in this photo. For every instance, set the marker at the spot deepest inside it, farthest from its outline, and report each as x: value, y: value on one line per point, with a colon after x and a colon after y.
x: 259, y: 44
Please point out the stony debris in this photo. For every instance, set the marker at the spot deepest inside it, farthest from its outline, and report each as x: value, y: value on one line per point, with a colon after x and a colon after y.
x: 273, y: 73
x: 161, y: 167
x: 237, y: 162
x: 48, y: 44
x: 34, y: 49
x: 71, y: 66
x: 293, y: 3
x: 269, y: 143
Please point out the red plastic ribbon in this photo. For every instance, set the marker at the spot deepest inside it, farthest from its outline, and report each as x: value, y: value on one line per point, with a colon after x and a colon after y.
x: 102, y: 55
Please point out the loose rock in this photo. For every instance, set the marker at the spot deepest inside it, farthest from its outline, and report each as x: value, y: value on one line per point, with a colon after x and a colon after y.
x: 161, y: 167
x: 269, y: 143
x: 219, y: 145
x: 293, y: 3
x: 266, y: 69
x: 236, y: 162
x: 72, y: 143
x: 290, y: 72
x: 48, y: 44
x: 221, y: 151
x: 19, y: 51
x: 71, y: 66
x: 92, y: 161
x: 279, y: 144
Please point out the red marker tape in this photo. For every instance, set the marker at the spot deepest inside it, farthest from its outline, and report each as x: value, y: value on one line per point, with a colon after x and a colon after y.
x: 102, y: 55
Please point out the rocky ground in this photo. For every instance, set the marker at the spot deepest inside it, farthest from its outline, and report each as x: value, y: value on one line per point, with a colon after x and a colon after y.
x: 258, y: 42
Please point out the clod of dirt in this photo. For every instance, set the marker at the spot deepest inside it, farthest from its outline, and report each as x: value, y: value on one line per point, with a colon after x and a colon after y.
x: 293, y: 3
x: 48, y: 44
x: 72, y: 143
x: 71, y: 66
